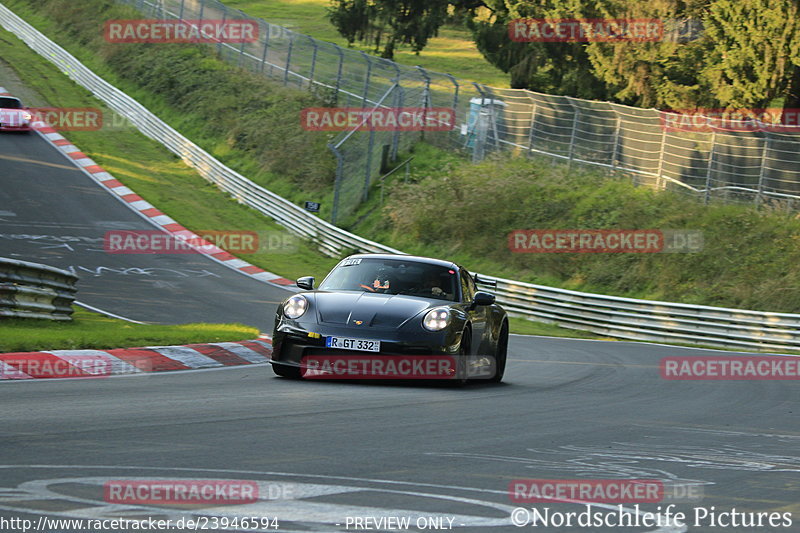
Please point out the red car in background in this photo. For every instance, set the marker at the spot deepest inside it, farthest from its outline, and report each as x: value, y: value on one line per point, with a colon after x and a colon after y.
x: 13, y: 115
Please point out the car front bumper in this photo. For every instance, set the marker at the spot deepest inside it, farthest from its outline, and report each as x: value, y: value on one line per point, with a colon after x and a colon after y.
x: 292, y: 342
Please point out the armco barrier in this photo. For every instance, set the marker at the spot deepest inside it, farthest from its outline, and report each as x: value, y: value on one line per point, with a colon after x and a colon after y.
x: 31, y: 290
x: 626, y: 318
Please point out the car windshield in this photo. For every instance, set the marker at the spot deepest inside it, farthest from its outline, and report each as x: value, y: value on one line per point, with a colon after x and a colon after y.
x: 10, y: 103
x: 393, y: 276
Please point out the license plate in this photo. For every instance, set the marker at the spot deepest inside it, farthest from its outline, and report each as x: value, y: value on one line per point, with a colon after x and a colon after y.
x: 346, y: 343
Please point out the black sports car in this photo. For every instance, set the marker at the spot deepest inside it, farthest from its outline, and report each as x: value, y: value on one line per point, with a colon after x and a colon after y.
x: 392, y: 305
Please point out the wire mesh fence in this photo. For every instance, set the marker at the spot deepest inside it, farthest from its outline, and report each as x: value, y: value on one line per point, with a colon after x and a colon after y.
x: 733, y: 165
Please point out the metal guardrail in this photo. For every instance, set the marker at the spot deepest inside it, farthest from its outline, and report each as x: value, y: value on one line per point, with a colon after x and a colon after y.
x: 32, y: 290
x: 626, y: 318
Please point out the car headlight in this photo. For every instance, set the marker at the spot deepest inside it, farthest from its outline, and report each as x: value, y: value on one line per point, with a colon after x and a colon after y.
x: 27, y: 116
x: 436, y: 319
x: 295, y: 306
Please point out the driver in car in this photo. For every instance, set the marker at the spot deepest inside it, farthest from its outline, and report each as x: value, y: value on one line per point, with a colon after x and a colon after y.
x: 380, y: 282
x: 430, y: 285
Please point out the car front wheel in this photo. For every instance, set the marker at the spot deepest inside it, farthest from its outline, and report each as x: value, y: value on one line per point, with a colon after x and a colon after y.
x: 501, y: 355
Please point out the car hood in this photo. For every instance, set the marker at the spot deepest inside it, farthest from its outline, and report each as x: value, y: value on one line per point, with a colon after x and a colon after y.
x: 372, y: 310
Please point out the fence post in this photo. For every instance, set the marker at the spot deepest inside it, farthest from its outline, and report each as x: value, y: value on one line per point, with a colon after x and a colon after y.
x: 202, y: 9
x: 288, y: 59
x: 531, y: 129
x: 493, y: 118
x: 266, y: 47
x: 456, y: 87
x: 762, y: 171
x: 661, y: 156
x: 615, y: 153
x: 572, y: 135
x: 478, y: 128
x: 313, y: 61
x: 180, y: 13
x: 708, y: 170
x: 224, y: 16
x: 426, y: 92
x: 398, y: 103
x: 426, y: 98
x: 365, y: 93
x: 241, y: 53
x: 339, y: 72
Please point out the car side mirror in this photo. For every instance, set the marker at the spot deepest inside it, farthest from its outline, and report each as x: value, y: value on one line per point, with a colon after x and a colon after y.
x: 306, y: 283
x: 483, y: 298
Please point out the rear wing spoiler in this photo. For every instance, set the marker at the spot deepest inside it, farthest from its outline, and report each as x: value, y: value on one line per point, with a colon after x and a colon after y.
x: 484, y: 281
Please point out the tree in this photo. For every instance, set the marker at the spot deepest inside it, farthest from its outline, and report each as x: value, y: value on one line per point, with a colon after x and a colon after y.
x: 411, y: 22
x: 755, y: 52
x: 353, y: 19
x: 661, y: 72
x: 555, y: 68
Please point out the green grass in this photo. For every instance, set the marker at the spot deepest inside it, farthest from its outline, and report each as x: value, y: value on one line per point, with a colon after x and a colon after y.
x: 452, y: 51
x: 94, y: 331
x: 521, y: 326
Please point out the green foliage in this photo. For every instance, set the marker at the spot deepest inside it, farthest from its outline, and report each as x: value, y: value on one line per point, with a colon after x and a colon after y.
x: 554, y: 68
x: 754, y: 50
x: 354, y: 20
x: 411, y: 22
x: 660, y: 73
x: 748, y: 56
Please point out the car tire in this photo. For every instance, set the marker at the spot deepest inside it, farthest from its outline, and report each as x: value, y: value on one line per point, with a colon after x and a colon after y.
x: 501, y: 355
x: 286, y: 371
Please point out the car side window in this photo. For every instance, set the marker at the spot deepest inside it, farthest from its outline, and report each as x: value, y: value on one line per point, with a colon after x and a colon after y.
x: 467, y: 289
